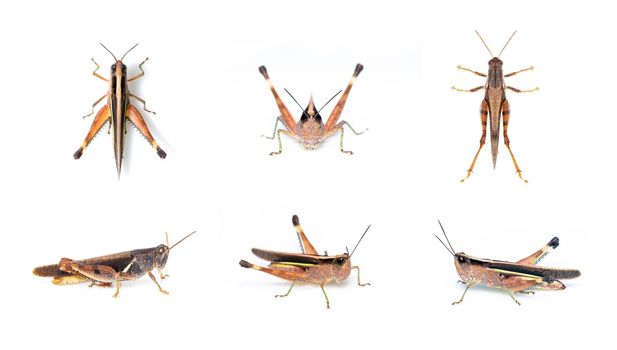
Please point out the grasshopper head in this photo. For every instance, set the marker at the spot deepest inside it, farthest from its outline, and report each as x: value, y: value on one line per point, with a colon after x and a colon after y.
x: 118, y: 68
x: 161, y: 253
x: 495, y: 62
x: 341, y: 267
x: 462, y: 262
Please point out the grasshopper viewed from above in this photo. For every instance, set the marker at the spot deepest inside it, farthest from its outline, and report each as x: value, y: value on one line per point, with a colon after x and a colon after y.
x: 118, y: 110
x: 513, y: 277
x: 104, y: 270
x: 310, y: 130
x: 308, y: 266
x: 495, y: 104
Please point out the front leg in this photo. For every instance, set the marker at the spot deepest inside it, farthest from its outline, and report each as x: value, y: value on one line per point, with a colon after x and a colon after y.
x: 94, y: 105
x: 470, y: 283
x: 141, y: 74
x: 359, y: 283
x: 520, y: 71
x: 157, y: 283
x: 161, y: 274
x: 97, y: 74
x: 459, y: 67
x: 325, y: 295
x: 279, y: 132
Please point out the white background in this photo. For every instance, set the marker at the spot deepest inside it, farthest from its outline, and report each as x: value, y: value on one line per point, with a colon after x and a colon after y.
x: 212, y: 105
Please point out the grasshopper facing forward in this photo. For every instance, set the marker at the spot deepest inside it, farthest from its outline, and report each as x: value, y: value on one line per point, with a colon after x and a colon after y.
x: 104, y: 270
x: 118, y: 110
x: 311, y: 131
x: 308, y: 267
x: 513, y: 277
x: 495, y: 104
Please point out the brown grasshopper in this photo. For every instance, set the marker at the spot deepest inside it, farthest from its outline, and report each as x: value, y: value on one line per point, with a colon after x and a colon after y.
x: 118, y: 110
x: 103, y: 270
x: 513, y: 277
x: 495, y: 104
x: 311, y: 131
x: 308, y: 266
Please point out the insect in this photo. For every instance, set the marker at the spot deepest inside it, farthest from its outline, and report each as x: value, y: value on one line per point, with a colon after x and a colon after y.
x: 311, y: 131
x: 495, y: 104
x: 118, y: 110
x: 104, y: 270
x: 513, y: 277
x: 309, y: 266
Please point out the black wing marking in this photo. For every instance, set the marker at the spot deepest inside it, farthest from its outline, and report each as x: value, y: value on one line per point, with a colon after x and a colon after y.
x: 275, y: 256
x: 545, y: 272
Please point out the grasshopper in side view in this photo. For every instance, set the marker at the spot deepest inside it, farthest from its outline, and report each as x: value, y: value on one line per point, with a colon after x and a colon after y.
x: 104, y: 270
x: 495, y: 104
x: 309, y: 266
x: 118, y: 110
x: 311, y: 131
x: 513, y: 277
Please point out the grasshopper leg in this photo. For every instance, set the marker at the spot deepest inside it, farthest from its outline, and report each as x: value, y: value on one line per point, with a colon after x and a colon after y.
x: 506, y: 119
x: 470, y: 90
x: 325, y: 295
x: 519, y: 91
x: 340, y: 126
x: 471, y: 71
x: 143, y: 102
x: 99, y: 284
x: 520, y: 71
x: 101, y: 118
x: 94, y: 105
x: 97, y: 74
x: 470, y: 284
x: 135, y: 117
x: 142, y: 73
x: 161, y: 274
x: 512, y: 296
x: 288, y: 291
x: 276, y: 123
x: 279, y: 132
x: 527, y: 292
x: 157, y: 283
x: 358, y: 269
x: 483, y: 119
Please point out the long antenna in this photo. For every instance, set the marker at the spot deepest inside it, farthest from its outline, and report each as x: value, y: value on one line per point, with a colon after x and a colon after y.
x: 289, y: 93
x: 444, y: 234
x: 185, y: 237
x: 129, y: 51
x: 489, y: 50
x: 332, y: 98
x: 360, y: 240
x: 504, y: 47
x: 112, y: 55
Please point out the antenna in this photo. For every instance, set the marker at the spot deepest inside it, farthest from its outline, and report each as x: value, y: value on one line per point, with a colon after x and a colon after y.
x: 489, y: 50
x: 185, y: 237
x: 112, y: 55
x: 504, y: 47
x: 360, y: 240
x: 289, y: 93
x: 332, y: 98
x: 129, y: 51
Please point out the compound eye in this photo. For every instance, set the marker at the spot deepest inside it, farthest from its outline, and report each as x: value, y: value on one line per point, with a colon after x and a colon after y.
x: 340, y: 261
x: 161, y: 250
x: 113, y: 66
x: 461, y: 259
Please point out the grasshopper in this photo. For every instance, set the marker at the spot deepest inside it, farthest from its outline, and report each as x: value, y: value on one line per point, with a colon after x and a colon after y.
x: 103, y: 270
x: 513, y: 277
x: 311, y: 131
x: 309, y: 266
x: 495, y: 104
x: 118, y: 110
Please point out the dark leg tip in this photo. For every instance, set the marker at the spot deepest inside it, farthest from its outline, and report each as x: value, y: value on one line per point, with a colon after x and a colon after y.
x: 161, y: 153
x: 295, y: 220
x: 359, y: 68
x: 264, y: 72
x: 78, y: 154
x: 245, y: 264
x: 554, y: 243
